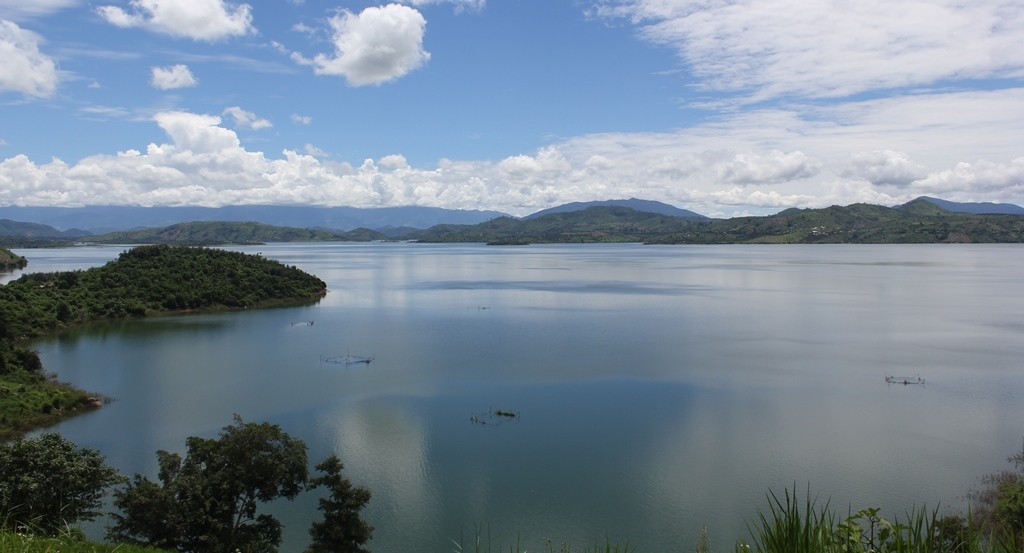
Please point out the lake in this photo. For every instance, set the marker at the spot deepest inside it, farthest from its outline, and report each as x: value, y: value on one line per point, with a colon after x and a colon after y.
x: 659, y: 388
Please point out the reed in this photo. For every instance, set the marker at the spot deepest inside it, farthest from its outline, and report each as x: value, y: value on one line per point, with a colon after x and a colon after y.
x: 789, y: 528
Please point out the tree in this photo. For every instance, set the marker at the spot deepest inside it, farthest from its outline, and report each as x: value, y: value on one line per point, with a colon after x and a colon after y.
x: 48, y: 483
x: 342, y: 530
x: 208, y: 501
x: 999, y: 506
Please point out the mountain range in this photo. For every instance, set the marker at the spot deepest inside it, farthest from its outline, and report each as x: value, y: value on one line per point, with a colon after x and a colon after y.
x: 610, y: 220
x: 102, y: 219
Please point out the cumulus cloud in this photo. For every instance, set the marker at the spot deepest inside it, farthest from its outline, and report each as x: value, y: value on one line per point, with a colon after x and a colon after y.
x: 207, y: 20
x: 770, y: 168
x: 247, y: 119
x: 982, y: 179
x: 377, y: 45
x: 301, y: 119
x: 758, y: 161
x: 884, y: 167
x: 23, y: 68
x: 767, y: 48
x: 175, y: 76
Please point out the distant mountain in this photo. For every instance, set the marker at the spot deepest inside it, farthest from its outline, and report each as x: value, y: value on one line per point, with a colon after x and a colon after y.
x: 643, y: 206
x: 977, y: 208
x: 99, y: 219
x: 593, y: 224
x: 34, y: 230
x: 229, y: 232
x: 922, y: 222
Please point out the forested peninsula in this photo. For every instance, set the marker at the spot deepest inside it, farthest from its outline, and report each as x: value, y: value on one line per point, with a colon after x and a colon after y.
x: 10, y: 260
x: 144, y: 281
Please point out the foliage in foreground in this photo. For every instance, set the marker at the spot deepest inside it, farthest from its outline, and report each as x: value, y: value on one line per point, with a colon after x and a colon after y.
x: 48, y: 484
x: 23, y: 541
x: 342, y: 530
x: 208, y: 500
x: 1000, y: 503
x: 788, y: 528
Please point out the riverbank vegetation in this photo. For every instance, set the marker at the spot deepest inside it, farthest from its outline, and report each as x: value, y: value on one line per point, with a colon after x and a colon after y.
x: 144, y: 281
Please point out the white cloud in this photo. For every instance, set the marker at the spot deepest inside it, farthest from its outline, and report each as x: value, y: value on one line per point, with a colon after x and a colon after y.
x: 884, y: 167
x: 207, y: 20
x: 378, y: 45
x: 17, y: 10
x: 459, y: 4
x: 301, y: 119
x: 819, y: 48
x: 175, y: 76
x: 772, y: 167
x: 23, y: 68
x: 757, y: 161
x: 105, y: 112
x: 248, y: 119
x: 970, y: 181
x: 314, y: 151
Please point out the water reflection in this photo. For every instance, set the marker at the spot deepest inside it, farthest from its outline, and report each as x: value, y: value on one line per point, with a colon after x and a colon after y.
x: 660, y: 388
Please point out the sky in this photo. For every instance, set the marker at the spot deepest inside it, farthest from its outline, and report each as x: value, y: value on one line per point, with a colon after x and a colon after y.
x: 723, y: 107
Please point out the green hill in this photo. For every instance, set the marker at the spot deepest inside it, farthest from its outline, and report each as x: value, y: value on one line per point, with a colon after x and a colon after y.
x: 916, y: 222
x: 229, y: 232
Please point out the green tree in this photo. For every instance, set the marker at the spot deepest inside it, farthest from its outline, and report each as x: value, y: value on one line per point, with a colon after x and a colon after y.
x: 208, y: 501
x: 998, y: 507
x: 48, y: 483
x: 342, y: 530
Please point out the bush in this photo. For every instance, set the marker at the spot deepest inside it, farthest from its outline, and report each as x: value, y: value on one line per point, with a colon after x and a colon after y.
x: 48, y: 483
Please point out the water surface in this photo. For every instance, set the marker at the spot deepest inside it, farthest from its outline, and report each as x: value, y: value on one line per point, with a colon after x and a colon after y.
x: 659, y: 388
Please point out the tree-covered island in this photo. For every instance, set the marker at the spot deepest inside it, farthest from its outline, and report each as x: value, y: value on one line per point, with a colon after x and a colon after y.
x: 144, y: 281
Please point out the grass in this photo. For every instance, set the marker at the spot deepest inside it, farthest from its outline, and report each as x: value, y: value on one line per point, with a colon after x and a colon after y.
x: 789, y: 528
x: 16, y: 542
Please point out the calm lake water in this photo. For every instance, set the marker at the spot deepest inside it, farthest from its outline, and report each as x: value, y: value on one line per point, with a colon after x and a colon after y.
x: 659, y: 388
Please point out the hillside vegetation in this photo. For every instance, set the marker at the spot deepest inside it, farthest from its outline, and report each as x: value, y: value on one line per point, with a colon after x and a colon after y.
x: 10, y: 261
x: 919, y: 221
x: 143, y: 281
x: 207, y: 233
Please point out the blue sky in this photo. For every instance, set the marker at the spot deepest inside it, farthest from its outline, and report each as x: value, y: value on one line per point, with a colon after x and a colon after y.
x: 723, y: 107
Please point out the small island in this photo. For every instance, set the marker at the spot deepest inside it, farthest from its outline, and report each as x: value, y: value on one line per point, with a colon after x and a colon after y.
x: 143, y: 281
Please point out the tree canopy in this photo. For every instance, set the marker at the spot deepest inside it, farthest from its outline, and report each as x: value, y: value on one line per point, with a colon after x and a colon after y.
x: 208, y: 501
x: 48, y: 484
x: 342, y: 530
